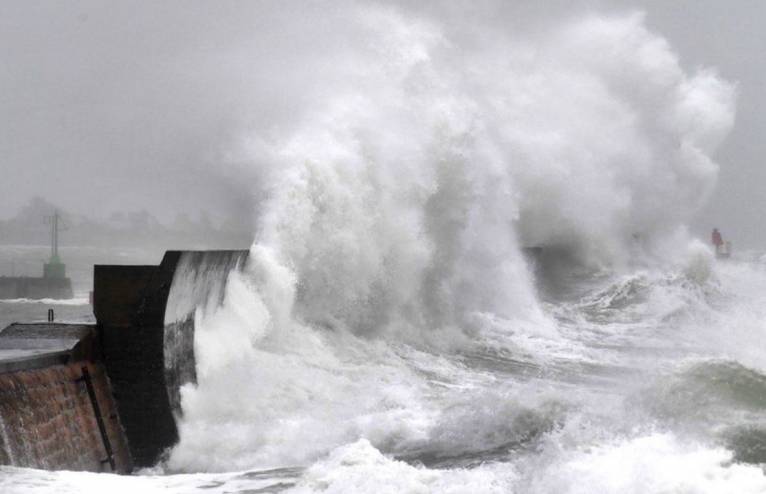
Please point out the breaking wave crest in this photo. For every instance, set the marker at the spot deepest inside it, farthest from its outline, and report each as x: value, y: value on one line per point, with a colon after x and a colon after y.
x: 392, y: 219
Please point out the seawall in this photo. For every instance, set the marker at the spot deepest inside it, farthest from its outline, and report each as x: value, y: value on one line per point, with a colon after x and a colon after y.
x: 105, y: 397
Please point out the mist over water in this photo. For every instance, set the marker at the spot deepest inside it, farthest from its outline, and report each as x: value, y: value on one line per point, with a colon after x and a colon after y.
x: 389, y: 333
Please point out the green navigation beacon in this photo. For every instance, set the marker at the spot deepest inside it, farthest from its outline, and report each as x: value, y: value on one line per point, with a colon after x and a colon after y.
x: 54, y: 268
x: 52, y: 285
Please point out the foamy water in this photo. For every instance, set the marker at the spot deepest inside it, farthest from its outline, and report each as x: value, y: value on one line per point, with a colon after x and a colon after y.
x: 633, y: 393
x: 390, y: 334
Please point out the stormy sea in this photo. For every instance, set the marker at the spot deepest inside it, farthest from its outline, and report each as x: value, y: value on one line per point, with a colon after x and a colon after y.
x: 646, y: 380
x: 472, y: 273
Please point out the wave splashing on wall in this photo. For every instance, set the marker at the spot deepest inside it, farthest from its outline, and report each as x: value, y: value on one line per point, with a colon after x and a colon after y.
x: 422, y: 153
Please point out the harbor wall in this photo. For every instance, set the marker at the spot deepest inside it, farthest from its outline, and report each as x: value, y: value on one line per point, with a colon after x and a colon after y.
x: 12, y: 287
x: 105, y: 397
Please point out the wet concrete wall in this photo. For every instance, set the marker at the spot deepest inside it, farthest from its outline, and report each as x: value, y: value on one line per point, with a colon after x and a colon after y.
x: 49, y: 418
x: 129, y: 303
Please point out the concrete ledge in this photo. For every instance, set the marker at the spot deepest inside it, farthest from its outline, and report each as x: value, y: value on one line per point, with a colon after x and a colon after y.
x: 33, y: 361
x: 32, y: 346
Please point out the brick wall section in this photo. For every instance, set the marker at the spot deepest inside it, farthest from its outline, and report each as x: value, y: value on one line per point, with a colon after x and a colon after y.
x: 47, y: 420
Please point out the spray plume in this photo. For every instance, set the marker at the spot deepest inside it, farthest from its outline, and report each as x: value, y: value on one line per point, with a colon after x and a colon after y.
x: 424, y: 154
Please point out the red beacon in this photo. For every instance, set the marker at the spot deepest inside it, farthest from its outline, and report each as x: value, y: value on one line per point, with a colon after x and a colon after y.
x: 722, y: 249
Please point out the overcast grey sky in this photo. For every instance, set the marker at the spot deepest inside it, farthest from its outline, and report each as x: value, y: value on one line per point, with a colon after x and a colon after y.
x: 728, y: 35
x: 128, y: 105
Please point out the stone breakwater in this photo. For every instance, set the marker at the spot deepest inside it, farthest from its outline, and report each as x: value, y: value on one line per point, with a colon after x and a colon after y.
x: 104, y: 397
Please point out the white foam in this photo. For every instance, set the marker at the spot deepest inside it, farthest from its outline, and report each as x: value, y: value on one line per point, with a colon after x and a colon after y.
x: 29, y: 481
x: 657, y: 463
x: 361, y: 468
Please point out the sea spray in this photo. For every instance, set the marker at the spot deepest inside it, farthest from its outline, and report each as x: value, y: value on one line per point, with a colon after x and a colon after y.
x: 393, y: 213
